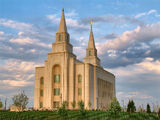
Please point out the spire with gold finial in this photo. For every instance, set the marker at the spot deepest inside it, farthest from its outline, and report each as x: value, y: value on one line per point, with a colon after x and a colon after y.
x: 62, y: 25
x: 91, y: 22
x: 91, y: 43
x: 91, y: 51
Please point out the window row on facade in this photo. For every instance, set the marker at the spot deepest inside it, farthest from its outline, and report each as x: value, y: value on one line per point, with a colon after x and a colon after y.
x: 57, y: 79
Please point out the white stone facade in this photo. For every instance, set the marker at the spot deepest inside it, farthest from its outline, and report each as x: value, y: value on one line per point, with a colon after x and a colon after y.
x: 64, y: 78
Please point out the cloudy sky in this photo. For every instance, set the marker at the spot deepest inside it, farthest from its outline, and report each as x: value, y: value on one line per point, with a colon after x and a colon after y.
x: 127, y: 36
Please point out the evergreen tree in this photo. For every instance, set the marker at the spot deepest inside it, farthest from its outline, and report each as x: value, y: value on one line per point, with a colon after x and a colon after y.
x: 148, y: 108
x: 131, y: 106
x: 114, y: 107
x: 159, y: 112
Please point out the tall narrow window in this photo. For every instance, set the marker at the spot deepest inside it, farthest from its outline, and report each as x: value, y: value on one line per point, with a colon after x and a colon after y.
x: 57, y: 91
x: 41, y: 81
x: 56, y: 78
x: 79, y: 91
x: 41, y: 104
x: 90, y: 53
x: 79, y: 78
x: 41, y: 92
x: 59, y: 37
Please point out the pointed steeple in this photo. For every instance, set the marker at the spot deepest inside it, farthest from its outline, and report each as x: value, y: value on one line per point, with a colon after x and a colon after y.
x: 91, y: 43
x: 62, y: 25
x: 91, y: 51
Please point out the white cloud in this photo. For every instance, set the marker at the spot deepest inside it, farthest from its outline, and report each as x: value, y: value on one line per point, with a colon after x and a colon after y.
x: 2, y: 35
x: 17, y: 73
x: 27, y: 40
x: 140, y: 34
x: 140, y: 15
x: 146, y: 13
x: 15, y: 25
x: 53, y: 18
x: 69, y: 21
x: 20, y: 33
x: 23, y: 41
x: 79, y: 51
x: 148, y: 65
x: 151, y: 11
x: 71, y: 14
x: 133, y: 95
x: 15, y: 83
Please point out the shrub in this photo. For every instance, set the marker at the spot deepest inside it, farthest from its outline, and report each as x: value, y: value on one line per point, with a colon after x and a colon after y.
x: 89, y: 104
x: 73, y: 104
x: 131, y: 106
x: 81, y: 105
x: 62, y: 111
x: 148, y: 108
x: 114, y: 107
x: 82, y: 110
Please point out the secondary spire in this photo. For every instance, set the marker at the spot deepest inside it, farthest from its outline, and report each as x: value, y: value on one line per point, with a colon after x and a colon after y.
x: 62, y: 25
x: 91, y: 43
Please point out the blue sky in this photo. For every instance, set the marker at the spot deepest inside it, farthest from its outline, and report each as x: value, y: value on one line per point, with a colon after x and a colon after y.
x: 127, y: 36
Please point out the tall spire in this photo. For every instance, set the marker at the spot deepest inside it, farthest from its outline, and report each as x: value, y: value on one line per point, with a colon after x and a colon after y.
x: 91, y: 43
x: 62, y: 25
x: 91, y: 51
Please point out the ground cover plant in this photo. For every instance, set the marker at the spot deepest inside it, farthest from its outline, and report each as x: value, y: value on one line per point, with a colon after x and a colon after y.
x: 76, y: 115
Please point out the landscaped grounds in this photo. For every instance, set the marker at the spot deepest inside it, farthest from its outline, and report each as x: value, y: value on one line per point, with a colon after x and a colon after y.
x: 75, y: 115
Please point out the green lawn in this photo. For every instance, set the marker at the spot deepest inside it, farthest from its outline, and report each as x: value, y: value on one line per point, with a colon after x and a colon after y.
x: 74, y: 115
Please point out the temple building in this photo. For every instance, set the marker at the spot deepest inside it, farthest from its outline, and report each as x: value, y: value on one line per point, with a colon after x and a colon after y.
x: 65, y: 78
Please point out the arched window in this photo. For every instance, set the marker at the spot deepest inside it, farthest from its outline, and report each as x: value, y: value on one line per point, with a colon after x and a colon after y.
x: 56, y: 74
x: 59, y: 37
x: 42, y: 81
x: 79, y: 78
x: 79, y: 91
x: 41, y: 92
x: 90, y: 53
x: 56, y: 78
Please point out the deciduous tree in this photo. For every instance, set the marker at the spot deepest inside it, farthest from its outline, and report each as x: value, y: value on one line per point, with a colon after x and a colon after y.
x: 20, y: 100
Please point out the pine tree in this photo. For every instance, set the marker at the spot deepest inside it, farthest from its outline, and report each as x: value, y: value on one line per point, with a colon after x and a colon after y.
x: 131, y: 106
x: 159, y: 112
x: 114, y: 107
x: 148, y: 108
